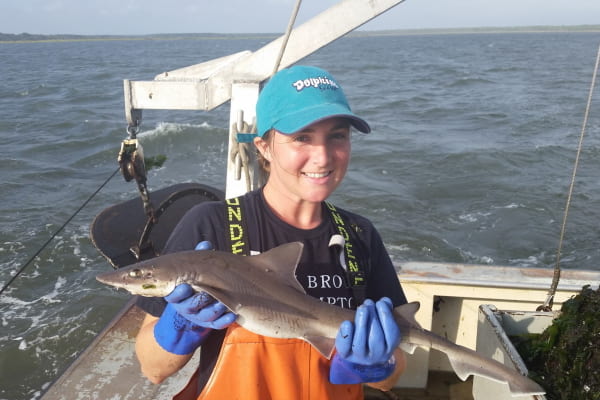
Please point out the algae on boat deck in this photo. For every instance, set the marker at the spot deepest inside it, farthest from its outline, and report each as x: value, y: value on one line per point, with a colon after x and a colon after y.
x: 565, y: 358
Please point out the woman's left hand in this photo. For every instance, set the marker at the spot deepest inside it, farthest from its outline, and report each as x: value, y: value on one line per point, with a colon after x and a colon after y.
x: 365, y: 348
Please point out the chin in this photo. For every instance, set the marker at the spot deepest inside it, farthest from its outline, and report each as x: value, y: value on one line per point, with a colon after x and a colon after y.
x: 317, y: 196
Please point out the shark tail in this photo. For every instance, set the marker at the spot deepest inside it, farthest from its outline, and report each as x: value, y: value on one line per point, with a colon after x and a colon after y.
x: 524, y: 387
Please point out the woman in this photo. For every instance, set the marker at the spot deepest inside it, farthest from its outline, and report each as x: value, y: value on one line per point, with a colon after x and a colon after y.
x: 303, y: 141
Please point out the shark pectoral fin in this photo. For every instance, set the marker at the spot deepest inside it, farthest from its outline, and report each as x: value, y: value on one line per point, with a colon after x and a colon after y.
x: 222, y: 296
x: 519, y: 385
x: 323, y: 344
x: 462, y: 369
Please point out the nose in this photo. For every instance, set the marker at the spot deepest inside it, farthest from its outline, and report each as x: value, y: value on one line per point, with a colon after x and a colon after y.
x: 321, y: 153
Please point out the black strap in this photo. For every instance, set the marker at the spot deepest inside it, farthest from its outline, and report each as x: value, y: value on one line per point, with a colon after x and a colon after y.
x: 238, y: 240
x: 238, y: 232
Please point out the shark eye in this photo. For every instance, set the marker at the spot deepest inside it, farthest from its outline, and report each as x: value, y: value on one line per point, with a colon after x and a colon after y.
x: 135, y: 273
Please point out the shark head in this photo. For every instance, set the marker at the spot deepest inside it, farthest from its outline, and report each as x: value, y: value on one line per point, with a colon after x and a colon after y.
x: 144, y: 279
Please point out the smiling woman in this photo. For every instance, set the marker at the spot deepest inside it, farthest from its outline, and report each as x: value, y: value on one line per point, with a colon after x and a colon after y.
x: 305, y: 167
x: 471, y: 153
x: 304, y: 123
x: 304, y: 136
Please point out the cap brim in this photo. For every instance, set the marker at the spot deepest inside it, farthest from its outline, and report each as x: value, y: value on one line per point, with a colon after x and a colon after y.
x: 297, y: 121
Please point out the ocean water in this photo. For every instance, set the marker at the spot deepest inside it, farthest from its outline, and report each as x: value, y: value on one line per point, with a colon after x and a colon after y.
x: 470, y: 159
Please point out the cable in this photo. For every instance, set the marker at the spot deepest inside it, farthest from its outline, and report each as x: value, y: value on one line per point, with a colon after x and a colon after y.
x: 547, y: 306
x: 12, y: 279
x: 286, y: 37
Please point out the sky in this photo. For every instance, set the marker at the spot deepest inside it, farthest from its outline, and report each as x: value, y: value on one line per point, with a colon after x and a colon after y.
x: 140, y: 17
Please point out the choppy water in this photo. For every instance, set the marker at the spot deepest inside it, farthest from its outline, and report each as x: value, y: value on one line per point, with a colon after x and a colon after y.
x: 470, y: 161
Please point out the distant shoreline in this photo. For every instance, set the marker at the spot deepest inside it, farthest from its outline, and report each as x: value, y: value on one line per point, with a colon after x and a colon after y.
x: 33, y: 38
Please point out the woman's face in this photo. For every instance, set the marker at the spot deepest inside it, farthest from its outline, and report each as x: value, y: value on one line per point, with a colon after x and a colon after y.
x: 309, y: 164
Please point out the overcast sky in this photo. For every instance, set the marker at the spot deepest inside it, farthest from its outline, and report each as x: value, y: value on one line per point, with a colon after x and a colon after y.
x: 93, y: 17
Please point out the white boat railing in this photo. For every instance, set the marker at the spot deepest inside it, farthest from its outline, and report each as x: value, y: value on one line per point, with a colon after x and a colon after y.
x: 450, y: 296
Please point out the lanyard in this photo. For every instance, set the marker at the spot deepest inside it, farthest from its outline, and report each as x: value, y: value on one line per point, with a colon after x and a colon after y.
x: 354, y: 269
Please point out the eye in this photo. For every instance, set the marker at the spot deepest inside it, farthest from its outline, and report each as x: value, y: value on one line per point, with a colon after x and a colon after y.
x: 135, y: 273
x: 302, y: 138
x: 339, y: 136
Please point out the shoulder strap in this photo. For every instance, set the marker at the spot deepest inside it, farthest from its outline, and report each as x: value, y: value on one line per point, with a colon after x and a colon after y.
x: 356, y: 269
x: 238, y: 233
x: 239, y: 243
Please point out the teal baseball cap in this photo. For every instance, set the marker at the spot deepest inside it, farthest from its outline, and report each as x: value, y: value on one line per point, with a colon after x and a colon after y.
x: 299, y: 96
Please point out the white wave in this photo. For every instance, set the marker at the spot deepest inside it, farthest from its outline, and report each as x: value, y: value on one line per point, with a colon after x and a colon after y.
x: 52, y: 297
x: 13, y: 301
x: 398, y: 248
x: 509, y: 206
x: 472, y: 217
x: 472, y: 258
x: 77, y: 238
x: 468, y: 217
x: 531, y: 261
x: 169, y: 128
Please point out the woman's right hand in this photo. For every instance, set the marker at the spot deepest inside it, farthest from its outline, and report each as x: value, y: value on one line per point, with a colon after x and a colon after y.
x: 189, y: 317
x: 199, y: 308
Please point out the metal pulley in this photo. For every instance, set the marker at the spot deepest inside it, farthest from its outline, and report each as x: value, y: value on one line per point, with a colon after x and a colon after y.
x: 131, y: 161
x: 132, y: 165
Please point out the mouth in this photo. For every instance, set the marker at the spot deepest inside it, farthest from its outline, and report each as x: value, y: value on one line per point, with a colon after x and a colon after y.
x: 317, y: 175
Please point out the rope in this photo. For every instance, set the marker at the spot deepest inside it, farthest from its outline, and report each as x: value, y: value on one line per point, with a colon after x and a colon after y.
x: 556, y: 277
x: 286, y: 37
x: 11, y: 280
x: 240, y: 152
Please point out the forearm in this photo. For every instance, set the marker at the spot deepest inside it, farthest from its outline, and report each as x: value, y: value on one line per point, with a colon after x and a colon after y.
x: 389, y: 382
x: 156, y: 363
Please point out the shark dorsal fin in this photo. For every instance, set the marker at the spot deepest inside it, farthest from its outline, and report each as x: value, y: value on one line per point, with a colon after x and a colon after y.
x: 281, y: 261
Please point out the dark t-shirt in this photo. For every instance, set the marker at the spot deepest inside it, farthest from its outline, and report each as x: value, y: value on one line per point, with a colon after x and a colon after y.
x: 319, y: 271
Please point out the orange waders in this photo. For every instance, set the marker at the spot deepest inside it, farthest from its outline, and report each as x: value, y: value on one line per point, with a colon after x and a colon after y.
x: 254, y: 367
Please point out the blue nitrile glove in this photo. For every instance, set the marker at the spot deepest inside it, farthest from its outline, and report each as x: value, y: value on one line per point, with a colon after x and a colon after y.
x: 189, y: 317
x: 365, y: 348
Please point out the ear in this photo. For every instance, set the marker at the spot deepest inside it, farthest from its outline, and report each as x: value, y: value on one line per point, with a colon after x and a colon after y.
x: 263, y: 147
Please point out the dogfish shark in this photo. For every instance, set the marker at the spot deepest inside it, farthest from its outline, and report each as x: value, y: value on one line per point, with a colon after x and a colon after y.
x: 263, y: 291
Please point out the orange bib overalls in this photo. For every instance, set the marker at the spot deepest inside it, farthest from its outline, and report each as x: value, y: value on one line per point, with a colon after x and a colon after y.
x: 254, y: 367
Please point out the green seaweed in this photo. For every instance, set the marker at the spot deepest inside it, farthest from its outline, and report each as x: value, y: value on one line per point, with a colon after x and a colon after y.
x: 155, y: 162
x: 565, y: 358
